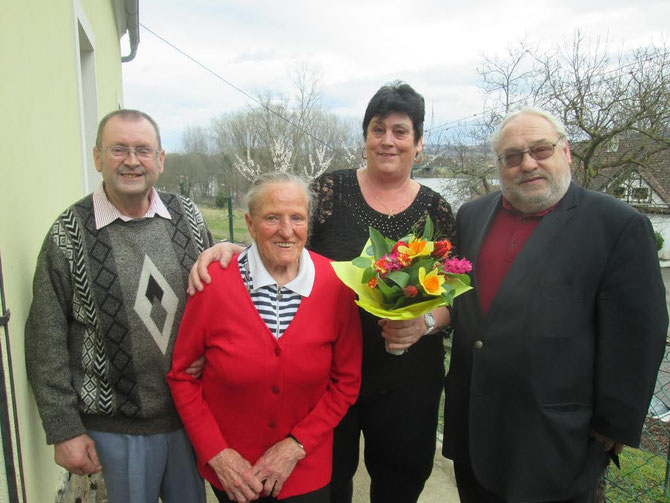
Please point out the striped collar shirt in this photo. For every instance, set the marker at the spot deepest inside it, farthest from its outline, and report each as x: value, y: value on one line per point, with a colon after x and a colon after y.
x: 105, y: 212
x: 276, y: 305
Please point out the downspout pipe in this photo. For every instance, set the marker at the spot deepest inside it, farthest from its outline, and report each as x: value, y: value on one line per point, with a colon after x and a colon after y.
x: 133, y: 25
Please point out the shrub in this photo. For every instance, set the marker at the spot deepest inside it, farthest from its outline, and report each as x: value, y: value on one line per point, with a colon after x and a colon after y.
x: 659, y: 241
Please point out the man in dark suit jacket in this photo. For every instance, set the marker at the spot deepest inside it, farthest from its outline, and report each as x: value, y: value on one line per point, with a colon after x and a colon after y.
x: 556, y: 351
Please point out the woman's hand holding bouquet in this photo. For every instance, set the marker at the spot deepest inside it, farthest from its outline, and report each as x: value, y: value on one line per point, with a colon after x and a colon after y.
x: 401, y: 280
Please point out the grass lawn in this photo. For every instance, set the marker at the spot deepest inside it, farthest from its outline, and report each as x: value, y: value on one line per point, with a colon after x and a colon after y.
x: 218, y: 223
x: 640, y: 479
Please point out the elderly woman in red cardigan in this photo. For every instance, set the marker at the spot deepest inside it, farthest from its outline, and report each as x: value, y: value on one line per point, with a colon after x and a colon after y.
x: 282, y: 340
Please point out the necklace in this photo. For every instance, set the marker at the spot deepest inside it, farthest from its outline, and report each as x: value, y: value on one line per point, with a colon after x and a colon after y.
x: 407, y: 199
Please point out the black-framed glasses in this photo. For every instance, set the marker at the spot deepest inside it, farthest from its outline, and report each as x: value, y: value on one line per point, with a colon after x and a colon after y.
x: 539, y: 152
x: 121, y: 152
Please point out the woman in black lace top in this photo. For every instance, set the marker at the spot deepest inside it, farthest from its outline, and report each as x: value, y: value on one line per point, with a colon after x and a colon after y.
x: 399, y: 399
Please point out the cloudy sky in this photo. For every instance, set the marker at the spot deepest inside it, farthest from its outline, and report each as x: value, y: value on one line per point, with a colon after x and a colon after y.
x: 357, y: 45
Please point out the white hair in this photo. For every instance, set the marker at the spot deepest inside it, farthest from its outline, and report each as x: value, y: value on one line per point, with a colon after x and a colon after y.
x: 263, y: 181
x: 557, y: 124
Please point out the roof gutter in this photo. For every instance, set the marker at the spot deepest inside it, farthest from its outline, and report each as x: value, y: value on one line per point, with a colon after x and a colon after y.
x: 133, y: 25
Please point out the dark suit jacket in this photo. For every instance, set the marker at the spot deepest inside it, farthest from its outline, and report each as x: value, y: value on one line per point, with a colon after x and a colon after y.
x: 572, y: 343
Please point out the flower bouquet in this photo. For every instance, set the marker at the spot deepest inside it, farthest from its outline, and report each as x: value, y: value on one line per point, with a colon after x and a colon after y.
x: 401, y: 280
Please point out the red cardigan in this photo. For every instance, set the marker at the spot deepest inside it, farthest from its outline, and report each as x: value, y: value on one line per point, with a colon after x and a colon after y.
x: 255, y: 389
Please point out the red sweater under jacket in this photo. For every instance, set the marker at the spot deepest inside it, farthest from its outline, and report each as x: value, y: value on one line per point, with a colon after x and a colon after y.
x: 255, y: 389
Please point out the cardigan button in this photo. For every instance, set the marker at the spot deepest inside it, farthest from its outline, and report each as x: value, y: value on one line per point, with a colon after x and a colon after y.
x: 272, y: 424
x: 479, y: 344
x: 275, y: 389
x: 277, y: 351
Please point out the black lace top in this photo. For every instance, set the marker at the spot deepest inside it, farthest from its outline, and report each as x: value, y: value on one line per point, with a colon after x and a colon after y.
x: 339, y: 231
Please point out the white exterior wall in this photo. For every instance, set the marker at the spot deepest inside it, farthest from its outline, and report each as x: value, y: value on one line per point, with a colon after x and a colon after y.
x: 661, y: 224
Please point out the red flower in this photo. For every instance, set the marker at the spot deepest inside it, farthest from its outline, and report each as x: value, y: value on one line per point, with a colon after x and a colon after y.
x: 395, y: 246
x: 442, y: 248
x: 410, y: 291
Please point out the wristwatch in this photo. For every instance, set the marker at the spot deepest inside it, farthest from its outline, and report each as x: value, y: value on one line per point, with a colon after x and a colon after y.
x: 429, y: 320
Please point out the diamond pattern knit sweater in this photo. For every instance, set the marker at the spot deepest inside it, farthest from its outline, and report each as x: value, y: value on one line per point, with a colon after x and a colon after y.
x: 104, y: 318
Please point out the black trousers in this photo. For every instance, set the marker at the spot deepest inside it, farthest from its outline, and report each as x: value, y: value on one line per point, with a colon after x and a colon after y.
x: 400, y: 435
x: 471, y: 491
x: 319, y: 496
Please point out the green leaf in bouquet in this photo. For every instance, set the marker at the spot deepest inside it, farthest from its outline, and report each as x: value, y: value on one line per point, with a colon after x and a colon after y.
x: 428, y: 229
x: 413, y: 270
x: 389, y: 292
x: 402, y: 302
x: 362, y: 262
x: 368, y: 274
x: 463, y: 277
x: 389, y: 244
x: 400, y: 278
x: 458, y: 282
x: 448, y: 297
x: 378, y: 241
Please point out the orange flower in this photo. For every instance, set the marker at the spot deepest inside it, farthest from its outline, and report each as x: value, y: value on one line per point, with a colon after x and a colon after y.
x: 382, y: 266
x: 373, y: 282
x: 404, y: 259
x: 416, y: 248
x: 431, y: 282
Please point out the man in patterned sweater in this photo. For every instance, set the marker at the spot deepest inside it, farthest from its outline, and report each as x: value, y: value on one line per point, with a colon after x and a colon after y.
x: 108, y: 295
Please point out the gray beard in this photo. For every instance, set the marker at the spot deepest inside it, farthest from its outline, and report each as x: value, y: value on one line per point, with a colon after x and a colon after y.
x: 534, y: 203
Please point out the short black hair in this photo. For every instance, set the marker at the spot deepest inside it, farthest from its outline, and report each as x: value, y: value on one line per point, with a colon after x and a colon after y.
x: 399, y: 97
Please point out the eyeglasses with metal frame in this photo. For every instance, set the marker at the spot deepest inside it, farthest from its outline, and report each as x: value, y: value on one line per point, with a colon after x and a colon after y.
x: 122, y: 152
x: 539, y: 152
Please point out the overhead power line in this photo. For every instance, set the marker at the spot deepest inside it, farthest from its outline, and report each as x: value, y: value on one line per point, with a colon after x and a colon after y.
x: 238, y: 89
x: 457, y: 123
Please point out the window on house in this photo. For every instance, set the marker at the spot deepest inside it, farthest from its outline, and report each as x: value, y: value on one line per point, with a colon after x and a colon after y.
x: 619, y: 192
x: 640, y: 193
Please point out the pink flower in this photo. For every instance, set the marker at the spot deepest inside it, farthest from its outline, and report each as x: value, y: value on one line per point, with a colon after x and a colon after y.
x: 388, y: 263
x: 457, y: 266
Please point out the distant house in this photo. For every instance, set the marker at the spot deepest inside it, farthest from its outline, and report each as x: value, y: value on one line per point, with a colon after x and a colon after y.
x: 61, y: 63
x: 646, y: 188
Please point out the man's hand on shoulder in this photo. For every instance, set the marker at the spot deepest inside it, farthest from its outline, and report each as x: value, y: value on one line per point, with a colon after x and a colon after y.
x: 198, y: 277
x: 78, y: 455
